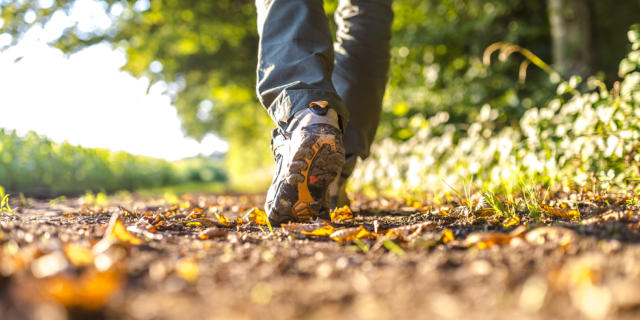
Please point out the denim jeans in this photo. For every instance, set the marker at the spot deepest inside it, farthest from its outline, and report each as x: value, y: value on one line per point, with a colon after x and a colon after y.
x: 298, y: 63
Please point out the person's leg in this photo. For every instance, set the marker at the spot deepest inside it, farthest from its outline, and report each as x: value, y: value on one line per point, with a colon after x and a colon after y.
x: 295, y: 62
x: 360, y: 76
x: 295, y: 58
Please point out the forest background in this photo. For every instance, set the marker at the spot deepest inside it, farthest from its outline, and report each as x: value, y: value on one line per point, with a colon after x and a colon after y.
x: 485, y: 91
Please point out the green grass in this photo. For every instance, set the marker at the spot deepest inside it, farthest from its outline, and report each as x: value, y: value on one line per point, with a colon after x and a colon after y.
x: 505, y: 209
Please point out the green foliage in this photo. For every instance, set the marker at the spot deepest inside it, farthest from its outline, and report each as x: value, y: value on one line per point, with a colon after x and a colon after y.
x: 531, y: 200
x: 36, y: 166
x: 208, y: 49
x: 502, y: 209
x: 4, y: 203
x: 575, y: 140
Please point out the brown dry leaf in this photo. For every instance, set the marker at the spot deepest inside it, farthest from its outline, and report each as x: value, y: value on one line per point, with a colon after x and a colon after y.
x: 484, y: 212
x: 447, y: 236
x: 90, y: 291
x: 560, y: 212
x: 212, y: 232
x: 511, y: 221
x: 608, y: 215
x: 348, y: 234
x: 560, y: 235
x: 340, y: 214
x: 255, y: 215
x: 78, y: 255
x: 483, y: 240
x: 406, y: 231
x: 188, y: 270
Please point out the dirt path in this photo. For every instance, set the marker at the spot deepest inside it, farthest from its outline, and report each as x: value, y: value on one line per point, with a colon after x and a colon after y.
x: 143, y: 259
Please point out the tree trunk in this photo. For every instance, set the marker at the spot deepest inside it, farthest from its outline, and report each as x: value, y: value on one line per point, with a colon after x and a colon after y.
x: 571, y: 35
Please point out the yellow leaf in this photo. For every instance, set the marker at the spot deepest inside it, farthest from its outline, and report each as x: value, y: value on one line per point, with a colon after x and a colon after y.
x: 119, y: 231
x: 483, y: 240
x: 188, y: 270
x: 349, y: 234
x: 224, y: 220
x: 90, y: 291
x: 340, y: 214
x: 323, y: 231
x: 512, y: 221
x: 78, y: 255
x: 560, y: 212
x: 447, y: 236
x: 257, y: 216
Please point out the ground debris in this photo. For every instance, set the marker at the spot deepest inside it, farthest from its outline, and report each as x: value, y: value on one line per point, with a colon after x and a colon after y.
x: 154, y: 260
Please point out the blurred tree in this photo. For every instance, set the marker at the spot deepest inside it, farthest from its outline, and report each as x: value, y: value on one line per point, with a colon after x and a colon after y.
x: 206, y: 53
x: 571, y: 34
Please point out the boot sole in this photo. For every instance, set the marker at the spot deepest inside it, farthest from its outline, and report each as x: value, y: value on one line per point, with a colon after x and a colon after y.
x: 316, y: 163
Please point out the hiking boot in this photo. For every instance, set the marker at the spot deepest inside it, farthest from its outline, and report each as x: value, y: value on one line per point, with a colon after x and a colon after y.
x: 309, y: 155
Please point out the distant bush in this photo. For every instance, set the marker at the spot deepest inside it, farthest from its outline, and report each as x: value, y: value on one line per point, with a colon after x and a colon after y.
x: 35, y: 165
x: 578, y: 139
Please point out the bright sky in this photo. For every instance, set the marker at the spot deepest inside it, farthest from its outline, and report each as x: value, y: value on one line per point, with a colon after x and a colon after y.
x: 85, y: 98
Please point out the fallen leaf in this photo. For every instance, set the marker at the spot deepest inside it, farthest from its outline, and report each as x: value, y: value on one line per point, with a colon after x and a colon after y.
x: 117, y: 230
x: 78, y: 255
x: 324, y: 231
x: 90, y: 291
x: 205, y: 222
x: 256, y: 216
x: 483, y: 212
x: 406, y: 231
x: 340, y: 214
x: 447, y: 236
x: 560, y: 212
x: 560, y: 235
x: 348, y: 234
x: 306, y: 227
x: 212, y: 232
x: 483, y: 240
x: 223, y: 220
x: 511, y: 221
